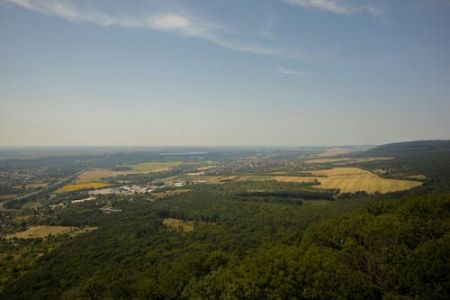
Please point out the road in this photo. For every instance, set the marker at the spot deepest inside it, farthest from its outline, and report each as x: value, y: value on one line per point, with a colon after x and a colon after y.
x: 47, y: 189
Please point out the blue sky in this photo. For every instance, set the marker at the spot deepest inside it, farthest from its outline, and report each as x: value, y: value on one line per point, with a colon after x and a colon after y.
x: 253, y: 72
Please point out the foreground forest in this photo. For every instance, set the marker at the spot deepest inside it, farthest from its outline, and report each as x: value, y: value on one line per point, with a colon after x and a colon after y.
x: 241, y: 239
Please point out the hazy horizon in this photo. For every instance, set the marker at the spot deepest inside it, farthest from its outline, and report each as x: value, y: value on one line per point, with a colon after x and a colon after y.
x: 212, y: 73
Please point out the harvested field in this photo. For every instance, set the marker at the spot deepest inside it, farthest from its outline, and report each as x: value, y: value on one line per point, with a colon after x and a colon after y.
x: 347, y: 180
x: 45, y: 231
x: 81, y: 186
x: 178, y: 225
x: 339, y: 172
x: 350, y: 180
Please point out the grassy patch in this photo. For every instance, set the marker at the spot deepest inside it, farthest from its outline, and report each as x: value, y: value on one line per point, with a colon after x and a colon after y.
x: 45, y: 231
x: 178, y: 225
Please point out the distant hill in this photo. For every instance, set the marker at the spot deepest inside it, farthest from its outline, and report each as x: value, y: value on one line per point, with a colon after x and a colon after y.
x: 429, y: 158
x: 415, y: 148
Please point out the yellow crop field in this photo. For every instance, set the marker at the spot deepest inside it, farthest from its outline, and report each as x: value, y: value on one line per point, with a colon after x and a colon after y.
x: 45, y: 231
x: 81, y: 186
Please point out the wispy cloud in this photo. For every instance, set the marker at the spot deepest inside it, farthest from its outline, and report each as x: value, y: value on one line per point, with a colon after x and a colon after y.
x: 336, y: 6
x: 180, y: 24
x: 290, y: 72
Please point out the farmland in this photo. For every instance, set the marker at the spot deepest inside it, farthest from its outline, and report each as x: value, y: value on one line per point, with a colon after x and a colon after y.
x: 350, y: 180
x: 347, y: 180
x: 148, y: 167
x: 81, y: 186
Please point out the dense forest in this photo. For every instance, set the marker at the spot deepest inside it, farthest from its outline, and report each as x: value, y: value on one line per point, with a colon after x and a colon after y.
x: 249, y: 250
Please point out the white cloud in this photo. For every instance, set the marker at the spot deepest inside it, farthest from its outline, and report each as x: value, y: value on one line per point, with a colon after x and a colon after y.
x: 290, y: 72
x: 336, y: 6
x: 170, y: 22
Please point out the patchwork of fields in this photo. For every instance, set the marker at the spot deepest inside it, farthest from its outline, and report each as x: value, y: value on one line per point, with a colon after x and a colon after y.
x: 91, y: 179
x: 347, y: 180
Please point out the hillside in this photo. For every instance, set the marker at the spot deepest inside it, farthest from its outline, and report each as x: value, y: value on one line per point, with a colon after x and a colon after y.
x: 407, y: 149
x: 428, y: 158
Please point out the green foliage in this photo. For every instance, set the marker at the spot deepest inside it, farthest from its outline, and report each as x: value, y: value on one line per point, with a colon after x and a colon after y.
x: 393, y: 250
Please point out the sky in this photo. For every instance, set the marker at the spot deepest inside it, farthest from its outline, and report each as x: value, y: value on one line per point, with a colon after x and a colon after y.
x: 213, y: 73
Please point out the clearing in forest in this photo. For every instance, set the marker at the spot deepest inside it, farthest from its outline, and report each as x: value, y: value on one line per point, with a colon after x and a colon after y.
x: 178, y: 225
x: 45, y: 231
